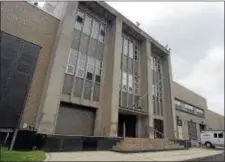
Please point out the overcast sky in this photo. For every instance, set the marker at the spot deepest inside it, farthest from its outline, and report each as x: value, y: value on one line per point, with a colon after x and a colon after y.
x: 195, y: 33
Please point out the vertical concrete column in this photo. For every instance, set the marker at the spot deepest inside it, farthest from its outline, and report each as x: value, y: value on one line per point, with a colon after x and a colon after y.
x: 170, y: 127
x: 52, y: 93
x: 107, y: 116
x: 146, y: 83
x: 139, y: 126
x: 149, y: 78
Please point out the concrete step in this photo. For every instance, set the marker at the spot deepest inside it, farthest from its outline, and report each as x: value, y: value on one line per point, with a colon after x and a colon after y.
x: 138, y: 144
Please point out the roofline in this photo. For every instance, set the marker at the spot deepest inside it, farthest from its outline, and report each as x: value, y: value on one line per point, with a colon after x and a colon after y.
x: 190, y: 91
x: 131, y: 24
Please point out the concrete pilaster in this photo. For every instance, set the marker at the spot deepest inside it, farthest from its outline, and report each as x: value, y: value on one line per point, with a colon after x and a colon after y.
x: 51, y: 97
x: 169, y: 108
x: 107, y: 116
x: 146, y: 83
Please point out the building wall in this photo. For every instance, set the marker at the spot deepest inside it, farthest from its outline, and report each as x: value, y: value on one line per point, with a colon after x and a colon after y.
x: 56, y: 37
x: 214, y: 121
x: 188, y: 97
x: 27, y: 22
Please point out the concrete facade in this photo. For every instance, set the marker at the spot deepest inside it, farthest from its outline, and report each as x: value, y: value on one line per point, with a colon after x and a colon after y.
x: 58, y: 37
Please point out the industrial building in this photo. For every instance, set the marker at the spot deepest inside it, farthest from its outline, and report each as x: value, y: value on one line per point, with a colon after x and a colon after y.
x: 89, y: 71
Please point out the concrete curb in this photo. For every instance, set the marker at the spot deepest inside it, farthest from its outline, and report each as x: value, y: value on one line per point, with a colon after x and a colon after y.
x: 47, y: 157
x: 140, y: 151
x: 204, y: 158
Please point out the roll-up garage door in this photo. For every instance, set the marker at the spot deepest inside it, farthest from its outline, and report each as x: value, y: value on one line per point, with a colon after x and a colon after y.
x: 75, y: 120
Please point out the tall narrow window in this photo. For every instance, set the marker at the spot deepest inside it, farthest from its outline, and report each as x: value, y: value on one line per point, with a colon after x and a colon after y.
x: 81, y: 65
x: 125, y: 46
x: 102, y: 33
x: 87, y: 25
x: 71, y: 61
x: 131, y: 50
x: 98, y: 71
x: 79, y: 20
x: 130, y: 83
x: 95, y: 29
x: 136, y: 51
x: 90, y: 68
x: 124, y: 82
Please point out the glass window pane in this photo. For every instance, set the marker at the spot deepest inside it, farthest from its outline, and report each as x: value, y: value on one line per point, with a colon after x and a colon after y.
x: 124, y: 63
x: 80, y: 72
x: 124, y: 99
x: 78, y: 87
x: 79, y: 20
x: 96, y: 92
x: 87, y: 25
x: 131, y: 50
x: 125, y: 46
x: 91, y: 60
x: 82, y: 56
x: 98, y: 64
x: 95, y: 29
x: 130, y: 65
x: 70, y: 69
x: 81, y: 64
x: 98, y: 78
x: 73, y: 57
x: 102, y: 33
x: 87, y: 90
x: 90, y: 69
x: 98, y: 71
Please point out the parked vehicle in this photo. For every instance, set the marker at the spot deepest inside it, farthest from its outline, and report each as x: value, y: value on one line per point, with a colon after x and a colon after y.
x: 212, y: 138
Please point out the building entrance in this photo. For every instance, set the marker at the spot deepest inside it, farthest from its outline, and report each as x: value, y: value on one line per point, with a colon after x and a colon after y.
x: 127, y: 125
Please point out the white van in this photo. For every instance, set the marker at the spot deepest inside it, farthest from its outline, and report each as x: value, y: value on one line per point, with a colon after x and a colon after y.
x: 212, y: 138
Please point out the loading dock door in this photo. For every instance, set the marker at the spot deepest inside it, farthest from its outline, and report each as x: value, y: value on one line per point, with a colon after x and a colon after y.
x: 192, y: 130
x: 74, y: 120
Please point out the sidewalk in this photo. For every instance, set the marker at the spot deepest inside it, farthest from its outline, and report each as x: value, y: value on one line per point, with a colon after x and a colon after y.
x: 181, y: 155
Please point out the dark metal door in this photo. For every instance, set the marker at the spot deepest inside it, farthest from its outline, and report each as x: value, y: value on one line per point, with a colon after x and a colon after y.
x: 74, y: 120
x: 18, y: 61
x: 192, y: 130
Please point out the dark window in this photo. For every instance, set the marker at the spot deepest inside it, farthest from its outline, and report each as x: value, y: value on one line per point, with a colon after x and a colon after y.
x: 89, y: 76
x: 215, y: 135
x: 220, y: 135
x: 80, y: 19
x: 98, y: 78
x: 102, y: 33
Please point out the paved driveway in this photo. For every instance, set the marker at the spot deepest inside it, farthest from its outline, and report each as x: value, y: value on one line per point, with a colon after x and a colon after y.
x: 181, y: 155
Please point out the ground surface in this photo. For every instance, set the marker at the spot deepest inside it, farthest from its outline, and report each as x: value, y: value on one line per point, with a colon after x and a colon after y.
x: 181, y: 155
x: 7, y: 155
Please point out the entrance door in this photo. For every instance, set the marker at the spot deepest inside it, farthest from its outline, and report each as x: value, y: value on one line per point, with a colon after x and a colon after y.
x: 192, y: 131
x: 127, y: 125
x: 158, y: 125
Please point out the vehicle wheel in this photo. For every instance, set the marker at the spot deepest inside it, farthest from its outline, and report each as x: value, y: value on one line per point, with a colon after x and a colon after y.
x: 208, y: 145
